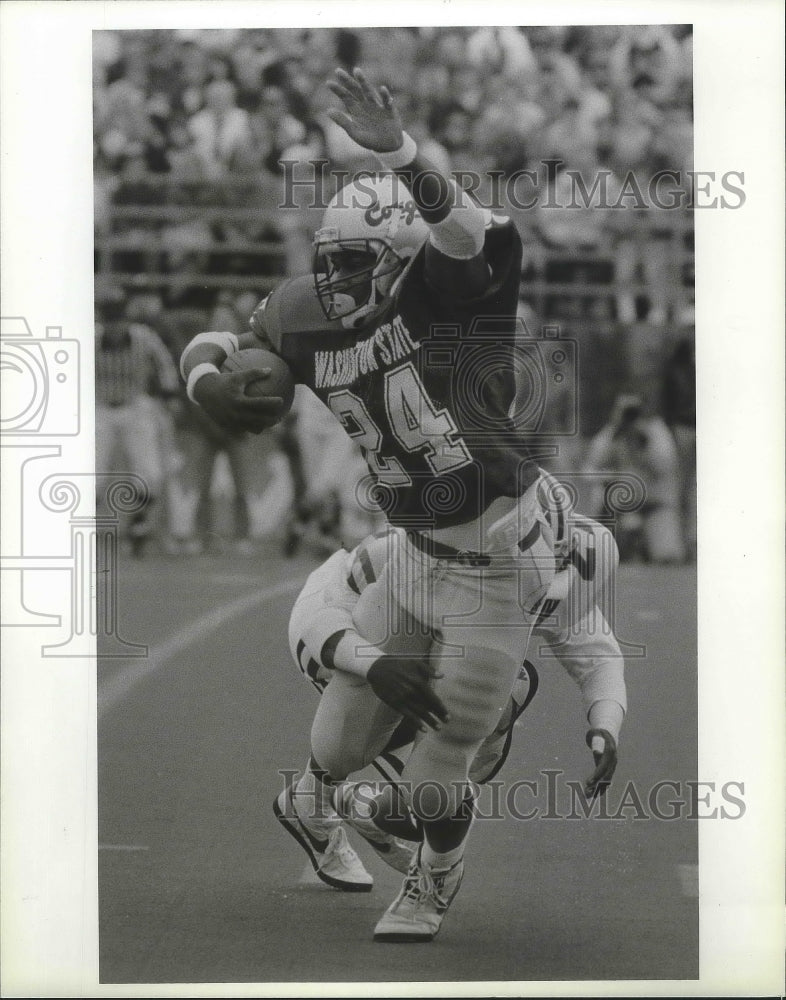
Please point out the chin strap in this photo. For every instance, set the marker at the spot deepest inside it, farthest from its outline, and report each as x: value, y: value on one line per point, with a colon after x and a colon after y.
x: 375, y: 299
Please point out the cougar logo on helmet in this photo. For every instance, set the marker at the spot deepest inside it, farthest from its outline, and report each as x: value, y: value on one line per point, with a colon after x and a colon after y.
x: 376, y: 214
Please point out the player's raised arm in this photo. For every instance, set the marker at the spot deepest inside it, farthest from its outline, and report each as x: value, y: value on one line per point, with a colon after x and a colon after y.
x: 455, y: 261
x: 223, y: 395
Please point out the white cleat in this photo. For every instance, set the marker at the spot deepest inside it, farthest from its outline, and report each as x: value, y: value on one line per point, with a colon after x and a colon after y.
x: 328, y: 849
x: 415, y: 915
x: 357, y: 811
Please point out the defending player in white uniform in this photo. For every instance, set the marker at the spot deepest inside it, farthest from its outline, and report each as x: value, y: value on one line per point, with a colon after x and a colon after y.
x: 572, y: 627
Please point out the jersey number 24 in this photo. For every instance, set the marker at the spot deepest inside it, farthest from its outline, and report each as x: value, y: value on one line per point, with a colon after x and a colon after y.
x: 413, y: 420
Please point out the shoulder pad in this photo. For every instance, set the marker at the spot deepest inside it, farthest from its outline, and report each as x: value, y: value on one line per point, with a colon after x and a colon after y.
x: 291, y: 308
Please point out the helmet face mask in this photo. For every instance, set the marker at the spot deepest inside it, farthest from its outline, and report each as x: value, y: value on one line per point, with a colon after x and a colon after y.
x: 370, y: 230
x: 347, y: 273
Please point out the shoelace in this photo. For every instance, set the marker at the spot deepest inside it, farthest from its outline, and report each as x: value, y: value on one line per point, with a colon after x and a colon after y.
x: 420, y: 884
x: 343, y: 849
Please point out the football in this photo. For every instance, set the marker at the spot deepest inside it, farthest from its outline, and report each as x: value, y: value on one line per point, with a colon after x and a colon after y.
x: 280, y: 382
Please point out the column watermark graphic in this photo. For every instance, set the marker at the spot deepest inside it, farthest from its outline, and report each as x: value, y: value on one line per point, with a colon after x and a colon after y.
x: 49, y: 522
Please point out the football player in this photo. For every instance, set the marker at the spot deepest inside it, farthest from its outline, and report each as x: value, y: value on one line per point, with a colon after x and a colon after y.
x: 406, y: 331
x: 323, y: 639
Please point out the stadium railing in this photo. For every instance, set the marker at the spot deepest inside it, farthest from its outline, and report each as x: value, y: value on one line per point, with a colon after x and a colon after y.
x: 137, y: 220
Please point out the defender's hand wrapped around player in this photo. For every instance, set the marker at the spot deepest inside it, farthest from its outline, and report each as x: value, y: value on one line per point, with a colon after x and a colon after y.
x: 369, y: 116
x: 604, y: 751
x: 405, y: 685
x: 222, y: 396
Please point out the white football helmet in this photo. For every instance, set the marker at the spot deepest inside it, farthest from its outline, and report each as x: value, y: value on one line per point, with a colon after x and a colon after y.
x: 370, y: 229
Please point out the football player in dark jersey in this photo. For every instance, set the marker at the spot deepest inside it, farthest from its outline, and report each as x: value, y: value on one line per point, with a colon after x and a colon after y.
x: 406, y: 331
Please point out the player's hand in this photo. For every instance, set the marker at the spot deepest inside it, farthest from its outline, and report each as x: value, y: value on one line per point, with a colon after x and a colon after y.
x: 369, y: 116
x: 405, y: 685
x: 222, y: 396
x: 604, y: 750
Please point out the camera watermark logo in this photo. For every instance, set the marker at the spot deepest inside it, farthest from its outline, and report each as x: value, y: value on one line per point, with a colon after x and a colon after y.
x: 49, y: 527
x: 480, y: 363
x: 546, y: 370
x: 40, y: 381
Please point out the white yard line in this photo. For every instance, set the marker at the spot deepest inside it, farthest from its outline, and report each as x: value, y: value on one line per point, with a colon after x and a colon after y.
x: 117, y: 687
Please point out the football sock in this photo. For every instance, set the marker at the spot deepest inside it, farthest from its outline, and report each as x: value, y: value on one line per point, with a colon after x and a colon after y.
x: 444, y: 839
x: 440, y: 860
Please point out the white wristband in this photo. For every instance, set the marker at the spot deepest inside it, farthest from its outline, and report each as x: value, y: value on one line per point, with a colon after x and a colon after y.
x: 196, y: 373
x: 222, y: 339
x: 607, y: 714
x: 400, y: 157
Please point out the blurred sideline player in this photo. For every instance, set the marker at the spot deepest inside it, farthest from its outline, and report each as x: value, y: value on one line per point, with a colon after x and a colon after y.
x: 326, y: 465
x: 401, y: 263
x: 634, y: 442
x: 133, y: 374
x: 326, y: 645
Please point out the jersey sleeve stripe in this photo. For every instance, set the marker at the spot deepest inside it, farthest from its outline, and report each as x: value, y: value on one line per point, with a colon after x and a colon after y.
x: 531, y: 537
x: 549, y: 494
x: 365, y: 562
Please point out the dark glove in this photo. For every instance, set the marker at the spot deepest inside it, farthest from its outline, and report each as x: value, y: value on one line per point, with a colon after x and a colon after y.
x: 405, y: 685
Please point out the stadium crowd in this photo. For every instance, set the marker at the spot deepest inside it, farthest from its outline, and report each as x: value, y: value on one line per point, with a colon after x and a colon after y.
x: 191, y: 132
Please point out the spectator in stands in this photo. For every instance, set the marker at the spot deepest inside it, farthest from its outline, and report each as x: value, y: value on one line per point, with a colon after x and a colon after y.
x: 633, y: 442
x: 579, y: 234
x: 596, y: 86
x: 221, y: 130
x: 276, y: 123
x: 541, y: 66
x: 644, y: 251
x: 185, y: 162
x: 648, y: 57
x: 453, y: 130
x: 573, y: 135
x: 503, y: 51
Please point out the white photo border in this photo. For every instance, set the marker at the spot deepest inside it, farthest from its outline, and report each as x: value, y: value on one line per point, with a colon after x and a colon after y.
x: 49, y: 878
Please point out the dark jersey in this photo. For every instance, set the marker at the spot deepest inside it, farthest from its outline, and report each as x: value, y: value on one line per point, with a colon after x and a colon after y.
x: 424, y: 388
